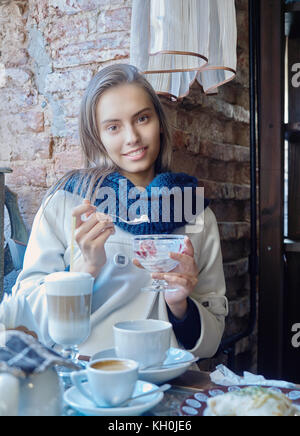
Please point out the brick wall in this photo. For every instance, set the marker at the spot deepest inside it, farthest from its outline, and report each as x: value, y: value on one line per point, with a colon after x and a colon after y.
x: 51, y: 49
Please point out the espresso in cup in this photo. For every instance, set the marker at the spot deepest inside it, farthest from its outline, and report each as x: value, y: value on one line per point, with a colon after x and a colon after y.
x: 145, y: 341
x: 112, y: 365
x: 110, y: 381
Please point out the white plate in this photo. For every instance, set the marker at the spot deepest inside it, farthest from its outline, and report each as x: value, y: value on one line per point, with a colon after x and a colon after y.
x: 135, y: 408
x: 162, y: 374
x: 207, y: 411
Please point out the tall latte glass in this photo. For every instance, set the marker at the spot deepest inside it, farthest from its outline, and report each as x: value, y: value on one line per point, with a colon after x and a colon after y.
x: 69, y: 296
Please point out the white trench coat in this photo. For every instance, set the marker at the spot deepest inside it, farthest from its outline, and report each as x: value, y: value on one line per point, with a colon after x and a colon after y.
x: 117, y: 296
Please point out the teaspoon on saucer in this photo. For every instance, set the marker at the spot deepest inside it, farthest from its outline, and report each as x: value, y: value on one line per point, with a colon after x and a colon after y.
x: 167, y: 365
x: 162, y: 388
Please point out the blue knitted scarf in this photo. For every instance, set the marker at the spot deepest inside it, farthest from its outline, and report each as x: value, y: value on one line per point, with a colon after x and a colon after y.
x: 170, y: 201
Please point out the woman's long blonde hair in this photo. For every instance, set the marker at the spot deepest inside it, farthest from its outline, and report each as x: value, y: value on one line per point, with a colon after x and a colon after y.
x: 97, y: 163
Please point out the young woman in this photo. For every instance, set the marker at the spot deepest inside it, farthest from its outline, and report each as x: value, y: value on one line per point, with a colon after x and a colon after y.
x: 125, y: 140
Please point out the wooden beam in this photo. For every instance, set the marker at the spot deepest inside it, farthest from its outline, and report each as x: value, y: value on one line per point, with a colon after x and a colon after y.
x: 294, y: 138
x: 271, y: 153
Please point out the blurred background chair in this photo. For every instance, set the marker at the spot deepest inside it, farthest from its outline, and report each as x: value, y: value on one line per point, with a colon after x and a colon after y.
x: 15, y: 247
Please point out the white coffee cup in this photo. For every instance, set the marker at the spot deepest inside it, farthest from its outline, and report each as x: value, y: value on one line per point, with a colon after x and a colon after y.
x: 110, y: 381
x: 145, y: 341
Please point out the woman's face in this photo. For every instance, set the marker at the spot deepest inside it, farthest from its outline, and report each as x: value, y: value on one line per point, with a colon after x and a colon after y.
x: 129, y: 129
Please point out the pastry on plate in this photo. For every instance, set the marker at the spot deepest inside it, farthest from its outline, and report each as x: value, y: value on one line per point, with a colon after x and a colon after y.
x: 251, y: 401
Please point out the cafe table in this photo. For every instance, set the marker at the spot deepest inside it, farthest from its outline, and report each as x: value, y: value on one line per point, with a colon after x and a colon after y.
x: 182, y: 387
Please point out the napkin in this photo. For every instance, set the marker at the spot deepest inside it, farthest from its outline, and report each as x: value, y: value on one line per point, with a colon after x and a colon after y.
x: 22, y: 355
x: 14, y: 312
x: 225, y: 377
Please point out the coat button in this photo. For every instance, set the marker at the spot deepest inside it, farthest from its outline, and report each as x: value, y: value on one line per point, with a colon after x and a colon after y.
x: 120, y: 260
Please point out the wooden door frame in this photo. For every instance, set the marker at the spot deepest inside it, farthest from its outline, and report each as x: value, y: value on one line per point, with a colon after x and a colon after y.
x: 271, y: 191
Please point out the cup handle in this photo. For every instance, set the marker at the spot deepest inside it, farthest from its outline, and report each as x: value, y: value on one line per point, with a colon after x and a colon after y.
x: 77, y: 378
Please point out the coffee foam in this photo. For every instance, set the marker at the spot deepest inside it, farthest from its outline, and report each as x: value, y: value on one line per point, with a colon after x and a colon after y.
x: 66, y: 283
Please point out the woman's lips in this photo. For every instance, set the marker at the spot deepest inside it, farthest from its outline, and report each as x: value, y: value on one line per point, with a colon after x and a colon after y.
x: 137, y: 155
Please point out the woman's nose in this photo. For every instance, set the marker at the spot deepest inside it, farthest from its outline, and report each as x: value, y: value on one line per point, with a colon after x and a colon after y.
x: 132, y: 135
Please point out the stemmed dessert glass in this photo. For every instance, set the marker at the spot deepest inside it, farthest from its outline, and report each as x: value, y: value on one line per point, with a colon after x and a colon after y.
x: 152, y: 251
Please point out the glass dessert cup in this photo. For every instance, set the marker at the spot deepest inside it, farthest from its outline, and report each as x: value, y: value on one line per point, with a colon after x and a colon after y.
x: 153, y: 253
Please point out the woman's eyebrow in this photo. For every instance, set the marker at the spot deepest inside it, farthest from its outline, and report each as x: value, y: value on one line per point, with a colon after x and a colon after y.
x: 135, y: 115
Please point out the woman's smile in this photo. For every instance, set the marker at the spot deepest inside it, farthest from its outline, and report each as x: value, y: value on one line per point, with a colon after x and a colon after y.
x: 137, y: 154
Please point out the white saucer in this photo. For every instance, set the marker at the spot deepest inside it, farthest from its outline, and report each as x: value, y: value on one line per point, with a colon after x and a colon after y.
x: 162, y: 374
x: 135, y: 408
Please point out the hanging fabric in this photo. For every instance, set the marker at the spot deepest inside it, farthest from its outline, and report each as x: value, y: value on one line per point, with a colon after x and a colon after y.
x: 175, y: 42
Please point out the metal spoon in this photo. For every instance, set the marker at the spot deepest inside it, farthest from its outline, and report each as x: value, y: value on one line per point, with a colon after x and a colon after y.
x: 142, y: 219
x: 166, y: 366
x: 162, y: 388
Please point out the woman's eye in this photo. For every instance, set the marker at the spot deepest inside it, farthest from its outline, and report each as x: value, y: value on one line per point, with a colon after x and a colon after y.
x: 112, y: 128
x: 143, y: 118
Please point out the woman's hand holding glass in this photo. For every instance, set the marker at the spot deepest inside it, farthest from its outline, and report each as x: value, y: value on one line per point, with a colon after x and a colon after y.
x: 184, y: 277
x: 91, y: 236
